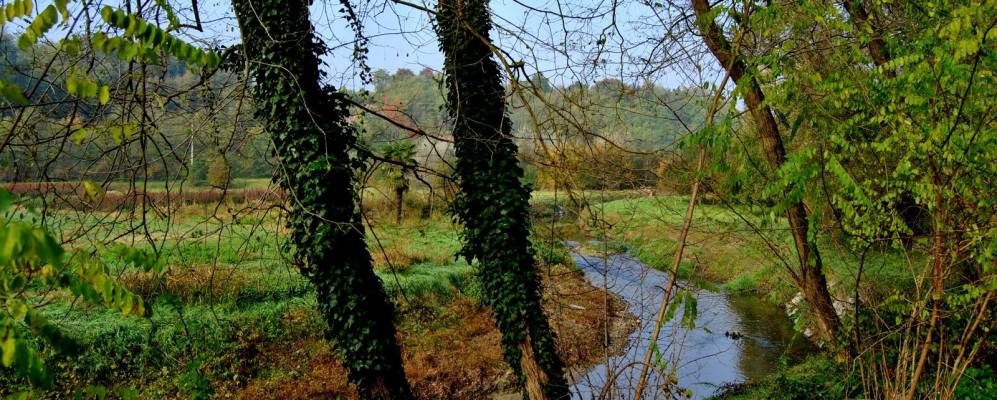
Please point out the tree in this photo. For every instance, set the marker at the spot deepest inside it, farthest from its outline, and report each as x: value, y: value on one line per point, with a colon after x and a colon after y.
x: 494, y: 203
x: 403, y: 73
x: 308, y: 126
x: 401, y: 154
x: 219, y: 173
x: 810, y: 278
x: 915, y: 130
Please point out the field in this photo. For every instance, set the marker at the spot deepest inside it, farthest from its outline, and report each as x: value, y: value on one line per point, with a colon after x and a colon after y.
x: 231, y: 317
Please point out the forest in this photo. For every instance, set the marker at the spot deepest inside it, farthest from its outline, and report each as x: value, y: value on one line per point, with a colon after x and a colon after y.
x: 508, y: 199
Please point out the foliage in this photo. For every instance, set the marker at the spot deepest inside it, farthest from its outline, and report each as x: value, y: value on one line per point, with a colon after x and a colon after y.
x: 894, y: 153
x: 817, y: 377
x: 41, y: 24
x: 144, y: 39
x: 978, y: 383
x: 194, y: 383
x: 32, y: 264
x: 494, y: 203
x: 307, y: 124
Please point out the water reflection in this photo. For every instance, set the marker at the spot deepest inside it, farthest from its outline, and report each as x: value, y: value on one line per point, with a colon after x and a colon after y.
x: 737, y: 338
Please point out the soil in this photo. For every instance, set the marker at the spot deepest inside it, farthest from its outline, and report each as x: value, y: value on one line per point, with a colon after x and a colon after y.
x: 450, y: 350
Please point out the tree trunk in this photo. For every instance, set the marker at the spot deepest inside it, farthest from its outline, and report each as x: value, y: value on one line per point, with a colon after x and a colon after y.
x: 494, y: 203
x: 810, y: 280
x: 877, y: 46
x: 399, y: 202
x: 307, y: 123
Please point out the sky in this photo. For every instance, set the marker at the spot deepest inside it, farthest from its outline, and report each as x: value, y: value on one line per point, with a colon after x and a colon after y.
x: 532, y: 31
x: 567, y: 41
x: 565, y: 50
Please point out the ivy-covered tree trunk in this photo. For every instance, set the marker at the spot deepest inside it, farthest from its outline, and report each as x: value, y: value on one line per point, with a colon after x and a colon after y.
x: 494, y: 203
x: 307, y: 123
x: 810, y: 279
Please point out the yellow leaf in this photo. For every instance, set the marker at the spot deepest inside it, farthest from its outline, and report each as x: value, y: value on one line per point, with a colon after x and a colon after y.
x: 93, y: 191
x: 8, y: 348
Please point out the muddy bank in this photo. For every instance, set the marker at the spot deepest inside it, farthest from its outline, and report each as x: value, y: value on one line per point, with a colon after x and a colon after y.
x: 450, y: 347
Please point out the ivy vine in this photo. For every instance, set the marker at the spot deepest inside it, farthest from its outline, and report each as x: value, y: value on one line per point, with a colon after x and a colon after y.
x: 494, y: 203
x: 307, y: 123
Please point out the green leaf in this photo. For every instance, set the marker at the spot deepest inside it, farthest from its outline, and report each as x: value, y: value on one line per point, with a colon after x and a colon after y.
x: 12, y: 92
x: 26, y: 40
x: 6, y: 199
x: 105, y: 94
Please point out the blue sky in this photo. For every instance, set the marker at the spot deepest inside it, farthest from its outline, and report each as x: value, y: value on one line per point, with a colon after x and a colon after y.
x: 564, y: 49
x: 635, y: 45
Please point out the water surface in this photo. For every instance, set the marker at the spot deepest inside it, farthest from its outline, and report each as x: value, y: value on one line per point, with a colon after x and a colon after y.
x: 735, y: 339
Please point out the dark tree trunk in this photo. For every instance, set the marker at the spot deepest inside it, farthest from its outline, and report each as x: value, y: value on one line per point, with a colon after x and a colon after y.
x: 877, y: 46
x: 307, y: 123
x: 494, y: 203
x: 810, y: 280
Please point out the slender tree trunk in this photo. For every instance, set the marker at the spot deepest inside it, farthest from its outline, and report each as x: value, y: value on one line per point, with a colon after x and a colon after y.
x: 399, y: 202
x: 877, y: 46
x: 811, y: 279
x: 676, y: 262
x: 307, y: 123
x: 494, y: 203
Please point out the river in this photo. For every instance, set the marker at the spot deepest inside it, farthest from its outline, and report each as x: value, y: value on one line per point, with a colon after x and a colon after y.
x: 736, y: 338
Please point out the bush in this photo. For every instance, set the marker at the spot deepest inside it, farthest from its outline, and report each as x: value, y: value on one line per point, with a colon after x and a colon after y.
x: 978, y: 383
x: 817, y: 377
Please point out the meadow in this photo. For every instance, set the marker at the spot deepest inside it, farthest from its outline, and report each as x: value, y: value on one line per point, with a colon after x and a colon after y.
x: 232, y: 317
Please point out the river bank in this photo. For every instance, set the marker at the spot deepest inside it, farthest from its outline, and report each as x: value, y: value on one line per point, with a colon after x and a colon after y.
x: 737, y: 250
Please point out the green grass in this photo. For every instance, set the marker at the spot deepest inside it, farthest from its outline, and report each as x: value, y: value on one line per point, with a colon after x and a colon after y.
x: 727, y: 247
x: 817, y: 377
x: 226, y: 289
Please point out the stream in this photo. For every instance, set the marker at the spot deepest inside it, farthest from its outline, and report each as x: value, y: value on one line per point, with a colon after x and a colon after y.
x: 736, y: 338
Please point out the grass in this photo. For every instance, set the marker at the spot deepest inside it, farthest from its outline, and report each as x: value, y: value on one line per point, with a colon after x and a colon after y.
x: 226, y: 291
x: 231, y: 316
x: 230, y: 311
x: 734, y: 247
x: 817, y: 377
x: 162, y: 186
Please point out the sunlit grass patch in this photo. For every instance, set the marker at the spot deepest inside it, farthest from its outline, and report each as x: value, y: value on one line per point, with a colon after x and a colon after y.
x: 734, y: 247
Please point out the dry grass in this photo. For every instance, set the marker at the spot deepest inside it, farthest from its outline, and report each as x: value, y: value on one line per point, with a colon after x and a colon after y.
x: 450, y: 352
x: 189, y: 284
x: 398, y: 259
